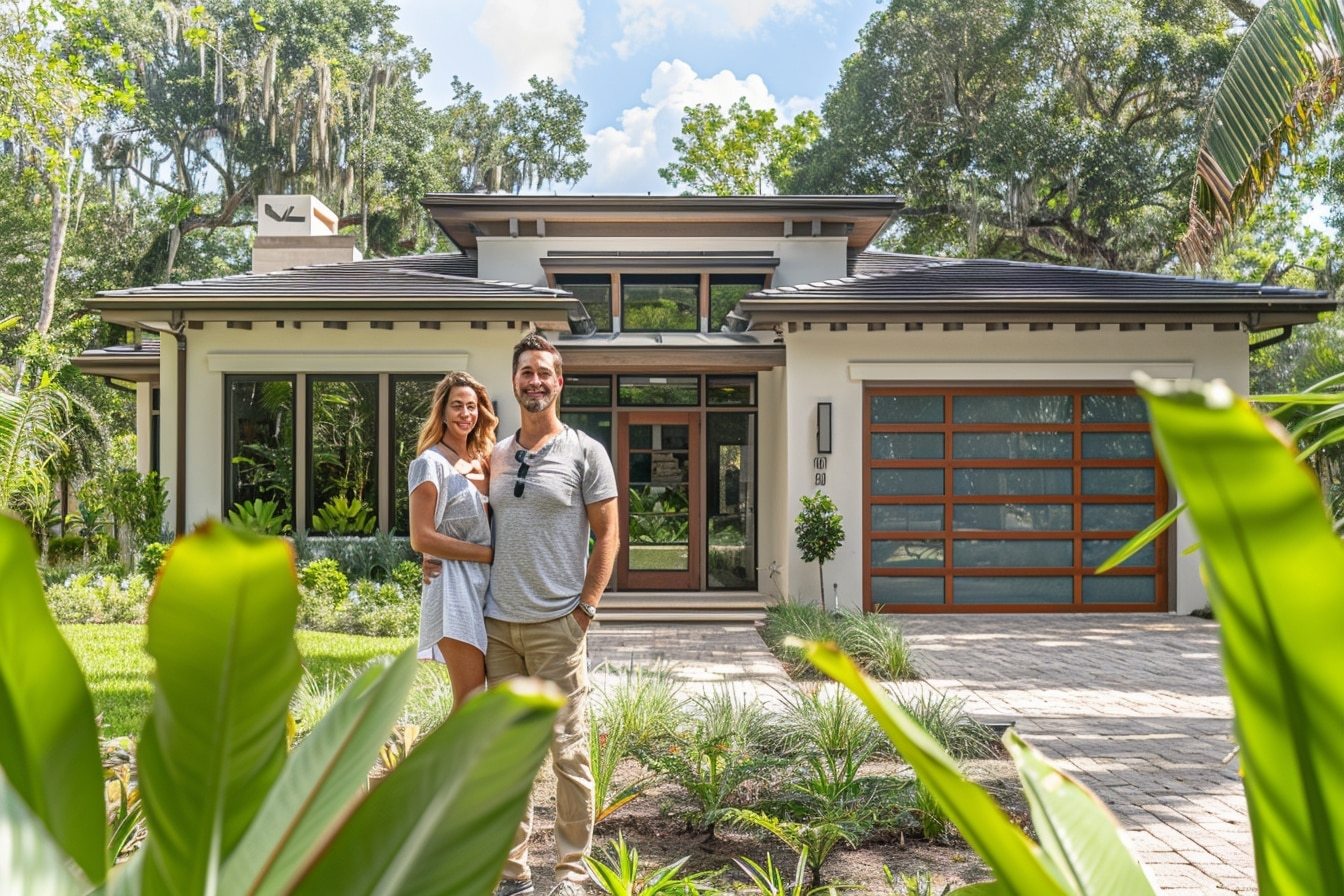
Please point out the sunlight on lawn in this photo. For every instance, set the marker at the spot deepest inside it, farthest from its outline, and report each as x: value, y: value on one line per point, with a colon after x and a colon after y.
x: 117, y: 668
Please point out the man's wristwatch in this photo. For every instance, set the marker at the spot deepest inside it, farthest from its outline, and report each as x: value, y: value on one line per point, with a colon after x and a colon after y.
x: 588, y: 609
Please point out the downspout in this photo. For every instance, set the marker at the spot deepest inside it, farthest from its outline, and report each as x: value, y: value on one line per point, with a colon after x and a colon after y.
x: 179, y: 331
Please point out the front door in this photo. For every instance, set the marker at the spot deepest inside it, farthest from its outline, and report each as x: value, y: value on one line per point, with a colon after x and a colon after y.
x: 661, y: 517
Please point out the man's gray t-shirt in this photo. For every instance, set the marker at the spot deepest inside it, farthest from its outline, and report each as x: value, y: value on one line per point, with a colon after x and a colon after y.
x: 541, y: 537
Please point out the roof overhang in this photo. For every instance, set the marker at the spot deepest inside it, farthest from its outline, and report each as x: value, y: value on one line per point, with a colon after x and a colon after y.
x: 163, y: 314
x: 1255, y: 314
x: 130, y: 363
x: 465, y: 217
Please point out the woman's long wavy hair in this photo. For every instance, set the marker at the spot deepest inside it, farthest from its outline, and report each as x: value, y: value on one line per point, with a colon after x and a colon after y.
x: 481, y: 439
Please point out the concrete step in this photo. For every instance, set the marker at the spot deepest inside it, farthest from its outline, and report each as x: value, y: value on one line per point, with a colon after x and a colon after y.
x: 683, y: 607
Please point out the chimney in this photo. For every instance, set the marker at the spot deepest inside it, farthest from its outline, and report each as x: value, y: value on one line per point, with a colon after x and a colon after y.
x: 298, y: 230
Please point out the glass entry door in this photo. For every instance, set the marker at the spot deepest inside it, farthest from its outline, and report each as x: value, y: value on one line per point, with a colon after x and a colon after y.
x: 661, y: 519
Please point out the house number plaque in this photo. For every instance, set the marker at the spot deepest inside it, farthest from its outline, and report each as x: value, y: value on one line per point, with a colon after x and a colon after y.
x: 819, y: 465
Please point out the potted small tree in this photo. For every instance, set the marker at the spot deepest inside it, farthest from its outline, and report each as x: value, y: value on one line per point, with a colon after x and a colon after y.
x: 821, y: 531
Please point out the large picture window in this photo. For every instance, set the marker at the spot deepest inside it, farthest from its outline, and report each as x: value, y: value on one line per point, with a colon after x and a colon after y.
x: 665, y: 303
x: 411, y: 398
x: 343, y: 454
x: 260, y: 442
x: 1009, y: 499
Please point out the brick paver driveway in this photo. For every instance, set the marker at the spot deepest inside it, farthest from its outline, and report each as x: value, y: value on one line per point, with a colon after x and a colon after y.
x: 1132, y: 705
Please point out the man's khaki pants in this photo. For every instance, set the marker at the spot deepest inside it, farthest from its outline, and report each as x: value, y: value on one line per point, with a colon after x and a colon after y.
x: 557, y: 652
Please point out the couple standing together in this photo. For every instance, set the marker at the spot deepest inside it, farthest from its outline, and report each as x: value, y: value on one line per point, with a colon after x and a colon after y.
x: 518, y: 603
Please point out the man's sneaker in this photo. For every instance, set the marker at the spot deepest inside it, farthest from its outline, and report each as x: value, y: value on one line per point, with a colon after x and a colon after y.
x: 568, y: 888
x: 514, y: 888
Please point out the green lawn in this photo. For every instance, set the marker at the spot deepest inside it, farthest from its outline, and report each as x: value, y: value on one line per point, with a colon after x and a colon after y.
x: 117, y: 668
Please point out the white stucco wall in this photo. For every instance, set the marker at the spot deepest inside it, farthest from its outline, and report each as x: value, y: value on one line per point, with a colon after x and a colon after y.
x: 832, y: 366
x: 802, y: 259
x: 215, y: 351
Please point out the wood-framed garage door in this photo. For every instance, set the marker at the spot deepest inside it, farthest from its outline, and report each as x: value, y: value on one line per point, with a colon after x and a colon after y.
x: 994, y: 499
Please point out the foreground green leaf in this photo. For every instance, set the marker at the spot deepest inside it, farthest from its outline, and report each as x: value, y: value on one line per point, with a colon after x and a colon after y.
x: 443, y: 821
x: 30, y: 860
x: 1276, y: 573
x: 1075, y: 829
x: 221, y: 630
x: 49, y: 744
x: 1022, y: 868
x: 324, y: 775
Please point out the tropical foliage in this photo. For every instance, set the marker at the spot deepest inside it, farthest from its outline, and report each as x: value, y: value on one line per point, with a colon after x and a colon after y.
x: 1277, y: 92
x: 225, y: 802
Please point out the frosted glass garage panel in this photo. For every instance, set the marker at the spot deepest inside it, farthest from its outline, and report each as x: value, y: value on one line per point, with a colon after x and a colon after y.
x: 1012, y: 409
x: 1098, y: 551
x: 988, y: 590
x: 1013, y: 517
x: 907, y: 446
x: 1119, y: 590
x: 1118, y: 445
x: 1012, y: 481
x: 907, y: 482
x: 906, y: 409
x: 1012, y: 445
x: 1116, y: 517
x: 1018, y: 553
x: 906, y: 589
x: 1119, y: 481
x: 892, y: 553
x: 906, y: 517
x: 1114, y: 409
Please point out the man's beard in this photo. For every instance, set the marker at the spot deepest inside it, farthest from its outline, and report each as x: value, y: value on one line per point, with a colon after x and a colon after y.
x: 536, y: 404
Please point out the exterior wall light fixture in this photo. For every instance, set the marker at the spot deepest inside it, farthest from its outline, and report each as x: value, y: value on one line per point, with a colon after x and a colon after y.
x: 823, y: 427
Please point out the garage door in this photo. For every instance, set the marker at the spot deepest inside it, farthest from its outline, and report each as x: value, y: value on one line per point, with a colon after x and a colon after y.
x: 1006, y: 500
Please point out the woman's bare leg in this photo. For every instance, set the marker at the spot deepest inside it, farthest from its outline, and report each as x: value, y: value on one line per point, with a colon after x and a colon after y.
x: 466, y: 668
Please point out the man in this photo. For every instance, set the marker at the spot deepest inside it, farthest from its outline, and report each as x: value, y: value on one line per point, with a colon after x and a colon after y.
x: 549, y: 486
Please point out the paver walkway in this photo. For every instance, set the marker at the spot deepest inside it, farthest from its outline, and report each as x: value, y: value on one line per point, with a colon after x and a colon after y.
x: 1132, y: 705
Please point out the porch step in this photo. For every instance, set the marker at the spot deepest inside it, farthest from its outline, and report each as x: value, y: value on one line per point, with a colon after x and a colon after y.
x: 683, y: 607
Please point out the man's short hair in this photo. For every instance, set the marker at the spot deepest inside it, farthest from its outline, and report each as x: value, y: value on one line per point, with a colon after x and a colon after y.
x: 535, y: 342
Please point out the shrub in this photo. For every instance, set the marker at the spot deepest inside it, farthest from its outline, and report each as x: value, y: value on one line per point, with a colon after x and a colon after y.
x: 261, y: 517
x: 151, y: 558
x: 345, y: 516
x: 64, y: 549
x: 322, y: 595
x: 408, y: 577
x: 94, y: 597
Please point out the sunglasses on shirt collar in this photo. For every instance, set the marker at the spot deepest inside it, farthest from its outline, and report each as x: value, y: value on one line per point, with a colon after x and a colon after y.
x: 521, y: 457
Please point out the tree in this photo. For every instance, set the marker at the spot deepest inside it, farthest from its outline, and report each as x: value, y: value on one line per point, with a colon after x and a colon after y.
x: 528, y: 140
x: 740, y: 152
x: 820, y: 531
x: 1279, y: 88
x: 1055, y: 131
x: 48, y: 95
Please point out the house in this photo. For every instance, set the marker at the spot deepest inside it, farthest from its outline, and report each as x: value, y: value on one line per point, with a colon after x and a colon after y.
x: 974, y: 420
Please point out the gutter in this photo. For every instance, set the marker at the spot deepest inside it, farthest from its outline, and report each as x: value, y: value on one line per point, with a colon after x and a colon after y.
x: 1282, y: 336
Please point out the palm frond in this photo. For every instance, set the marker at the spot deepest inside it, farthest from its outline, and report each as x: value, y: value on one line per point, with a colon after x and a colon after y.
x: 1281, y: 84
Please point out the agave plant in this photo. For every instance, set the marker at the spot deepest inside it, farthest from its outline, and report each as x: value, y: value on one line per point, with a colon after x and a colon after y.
x: 228, y: 808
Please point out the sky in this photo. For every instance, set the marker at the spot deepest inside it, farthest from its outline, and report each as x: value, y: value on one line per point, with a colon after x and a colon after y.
x: 638, y: 64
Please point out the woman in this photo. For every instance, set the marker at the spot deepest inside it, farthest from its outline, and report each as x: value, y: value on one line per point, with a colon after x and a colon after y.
x: 448, y: 483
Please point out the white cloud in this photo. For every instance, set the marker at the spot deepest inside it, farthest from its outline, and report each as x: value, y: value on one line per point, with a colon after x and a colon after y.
x: 644, y: 22
x: 528, y: 38
x: 626, y: 158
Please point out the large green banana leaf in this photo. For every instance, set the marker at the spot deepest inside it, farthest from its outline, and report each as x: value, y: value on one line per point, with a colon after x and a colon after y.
x: 221, y: 632
x: 1276, y: 574
x: 48, y: 738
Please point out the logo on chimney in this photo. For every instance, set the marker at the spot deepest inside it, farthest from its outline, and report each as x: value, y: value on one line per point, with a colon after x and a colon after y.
x: 288, y: 216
